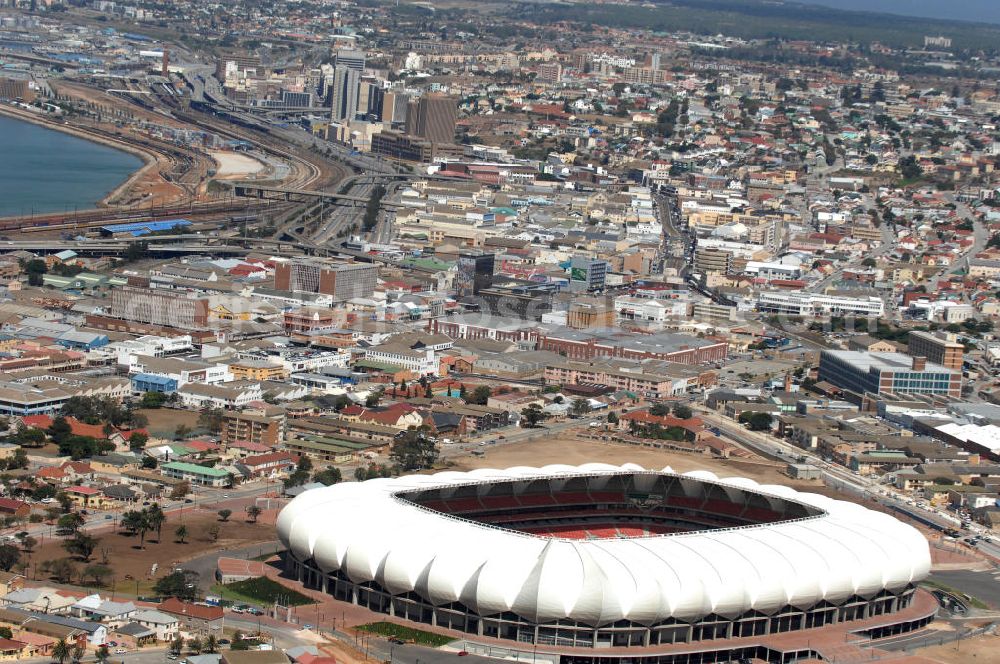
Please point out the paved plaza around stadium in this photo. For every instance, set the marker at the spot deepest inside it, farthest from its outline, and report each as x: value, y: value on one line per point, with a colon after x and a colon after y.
x: 599, y: 561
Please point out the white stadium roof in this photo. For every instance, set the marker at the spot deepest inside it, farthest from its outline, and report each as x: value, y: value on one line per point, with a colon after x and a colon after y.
x: 366, y: 532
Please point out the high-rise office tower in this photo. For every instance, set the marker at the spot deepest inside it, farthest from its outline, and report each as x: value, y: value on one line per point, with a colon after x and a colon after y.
x: 433, y: 118
x: 344, y: 93
x: 351, y: 59
x: 371, y: 99
x: 474, y: 273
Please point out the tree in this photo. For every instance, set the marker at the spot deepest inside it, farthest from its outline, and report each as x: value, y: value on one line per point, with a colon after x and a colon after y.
x: 136, y: 522
x: 328, y: 476
x: 70, y: 524
x: 253, y: 512
x: 29, y: 437
x: 909, y: 168
x: 239, y: 643
x: 182, y: 584
x: 62, y: 570
x: 65, y: 502
x: 683, y: 411
x: 213, y: 532
x: 479, y: 396
x: 660, y: 410
x: 181, y: 533
x: 579, y: 407
x: 211, y: 419
x: 224, y: 515
x: 413, y: 450
x: 194, y: 645
x: 82, y: 545
x: 10, y: 556
x: 137, y: 441
x: 182, y: 431
x: 59, y: 430
x: 97, y: 572
x: 756, y: 421
x: 373, y: 398
x: 152, y: 400
x: 78, y: 652
x: 297, y: 478
x: 102, y: 654
x: 155, y: 517
x: 61, y: 650
x: 612, y: 417
x: 176, y: 646
x: 211, y: 644
x: 532, y: 415
x: 5, y: 633
x: 28, y: 543
x: 179, y: 491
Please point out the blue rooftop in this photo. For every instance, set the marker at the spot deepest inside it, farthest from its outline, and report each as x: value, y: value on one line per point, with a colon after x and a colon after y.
x: 145, y: 227
x: 154, y: 379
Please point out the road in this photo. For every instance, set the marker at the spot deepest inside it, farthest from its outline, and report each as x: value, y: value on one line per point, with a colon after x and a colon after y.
x: 833, y: 474
x: 983, y: 585
x: 980, y: 236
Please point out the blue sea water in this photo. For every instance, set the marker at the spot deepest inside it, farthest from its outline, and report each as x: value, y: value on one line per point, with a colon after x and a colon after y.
x: 43, y: 170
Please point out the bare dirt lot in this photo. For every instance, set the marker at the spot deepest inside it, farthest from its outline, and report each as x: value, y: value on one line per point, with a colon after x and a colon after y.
x: 163, y: 421
x: 575, y: 451
x: 122, y: 555
x: 984, y: 648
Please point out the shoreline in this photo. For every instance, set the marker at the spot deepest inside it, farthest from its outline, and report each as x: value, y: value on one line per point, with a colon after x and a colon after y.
x: 150, y: 159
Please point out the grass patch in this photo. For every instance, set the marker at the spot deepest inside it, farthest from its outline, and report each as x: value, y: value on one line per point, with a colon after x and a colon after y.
x: 261, y: 590
x: 406, y: 633
x: 974, y: 602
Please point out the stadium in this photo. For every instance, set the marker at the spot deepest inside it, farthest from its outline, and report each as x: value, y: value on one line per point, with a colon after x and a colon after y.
x: 604, y: 557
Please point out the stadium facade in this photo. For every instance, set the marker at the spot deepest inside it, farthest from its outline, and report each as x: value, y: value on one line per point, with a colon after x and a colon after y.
x: 601, y: 556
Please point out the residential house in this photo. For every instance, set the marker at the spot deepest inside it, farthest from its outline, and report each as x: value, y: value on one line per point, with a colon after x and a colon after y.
x: 165, y: 626
x: 196, y: 474
x: 267, y: 465
x: 113, y: 614
x: 11, y: 649
x: 11, y: 507
x: 46, y: 600
x: 86, y: 496
x: 195, y: 618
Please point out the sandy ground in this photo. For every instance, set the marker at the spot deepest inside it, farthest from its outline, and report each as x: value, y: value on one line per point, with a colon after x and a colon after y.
x: 123, y: 556
x: 579, y: 451
x: 163, y: 421
x: 985, y: 648
x: 235, y: 165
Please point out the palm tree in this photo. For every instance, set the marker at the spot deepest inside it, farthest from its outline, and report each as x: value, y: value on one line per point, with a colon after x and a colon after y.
x: 156, y: 518
x: 61, y: 650
x: 137, y: 522
x: 211, y: 644
x: 181, y: 533
x: 253, y: 512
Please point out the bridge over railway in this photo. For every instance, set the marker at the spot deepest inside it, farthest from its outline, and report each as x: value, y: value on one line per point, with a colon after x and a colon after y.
x: 300, y: 195
x: 199, y: 244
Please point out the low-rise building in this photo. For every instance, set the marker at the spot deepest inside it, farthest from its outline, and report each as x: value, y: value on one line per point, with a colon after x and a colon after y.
x: 196, y: 474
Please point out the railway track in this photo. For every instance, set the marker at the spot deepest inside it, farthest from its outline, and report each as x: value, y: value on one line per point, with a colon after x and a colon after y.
x: 97, y: 218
